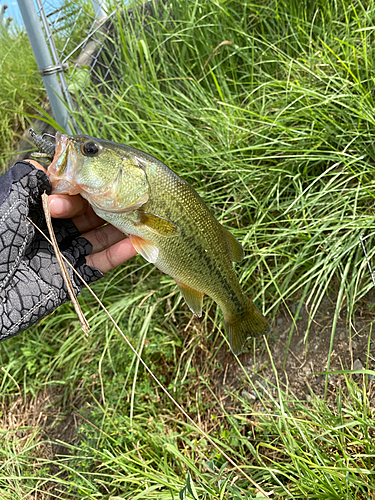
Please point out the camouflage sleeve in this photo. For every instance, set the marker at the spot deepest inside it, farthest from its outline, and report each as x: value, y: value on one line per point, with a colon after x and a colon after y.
x: 31, y: 284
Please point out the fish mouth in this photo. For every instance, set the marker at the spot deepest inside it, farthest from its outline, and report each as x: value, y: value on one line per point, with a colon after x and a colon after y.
x: 63, y: 173
x: 63, y: 168
x: 60, y: 171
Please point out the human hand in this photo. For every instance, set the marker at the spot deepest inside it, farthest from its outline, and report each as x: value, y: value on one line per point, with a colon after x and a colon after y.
x: 31, y: 284
x: 110, y: 246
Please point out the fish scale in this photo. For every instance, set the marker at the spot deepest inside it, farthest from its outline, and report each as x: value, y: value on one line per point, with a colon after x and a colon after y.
x: 167, y: 221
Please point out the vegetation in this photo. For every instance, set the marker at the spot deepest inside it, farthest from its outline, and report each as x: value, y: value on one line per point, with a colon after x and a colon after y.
x: 19, y: 83
x: 266, y: 107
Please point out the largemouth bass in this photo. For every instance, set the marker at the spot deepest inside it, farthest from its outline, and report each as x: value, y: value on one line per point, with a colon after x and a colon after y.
x: 167, y: 221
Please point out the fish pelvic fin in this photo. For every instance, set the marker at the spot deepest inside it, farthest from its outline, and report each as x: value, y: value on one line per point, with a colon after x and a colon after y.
x: 193, y: 298
x: 250, y: 324
x: 148, y: 251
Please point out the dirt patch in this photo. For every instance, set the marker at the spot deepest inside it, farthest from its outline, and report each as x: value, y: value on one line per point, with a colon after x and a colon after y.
x: 43, y: 412
x: 299, y: 353
x: 300, y: 360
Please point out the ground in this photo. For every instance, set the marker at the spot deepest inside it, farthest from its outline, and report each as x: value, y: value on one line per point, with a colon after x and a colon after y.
x: 307, y: 358
x: 44, y: 420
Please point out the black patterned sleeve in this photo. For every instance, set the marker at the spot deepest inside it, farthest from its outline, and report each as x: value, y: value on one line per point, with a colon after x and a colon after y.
x: 31, y: 284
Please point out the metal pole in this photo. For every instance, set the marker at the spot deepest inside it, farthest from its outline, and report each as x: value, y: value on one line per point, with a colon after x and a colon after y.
x: 56, y: 58
x: 43, y: 58
x: 100, y: 9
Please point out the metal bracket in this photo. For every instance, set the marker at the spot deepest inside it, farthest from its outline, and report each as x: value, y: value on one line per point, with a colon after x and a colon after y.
x: 50, y: 70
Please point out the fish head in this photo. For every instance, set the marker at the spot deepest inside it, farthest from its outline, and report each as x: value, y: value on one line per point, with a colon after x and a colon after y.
x: 110, y: 177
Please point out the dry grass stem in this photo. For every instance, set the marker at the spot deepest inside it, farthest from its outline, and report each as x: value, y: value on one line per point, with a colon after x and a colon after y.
x: 64, y: 272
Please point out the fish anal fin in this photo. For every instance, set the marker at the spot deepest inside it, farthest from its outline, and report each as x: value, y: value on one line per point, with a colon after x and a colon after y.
x: 147, y: 249
x: 236, y: 250
x: 193, y: 298
x: 156, y: 224
x: 251, y: 323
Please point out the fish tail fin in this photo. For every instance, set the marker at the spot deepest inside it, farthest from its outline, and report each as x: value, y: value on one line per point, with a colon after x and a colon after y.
x: 251, y: 323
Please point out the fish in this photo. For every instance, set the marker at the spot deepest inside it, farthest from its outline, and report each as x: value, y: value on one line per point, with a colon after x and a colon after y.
x: 166, y: 220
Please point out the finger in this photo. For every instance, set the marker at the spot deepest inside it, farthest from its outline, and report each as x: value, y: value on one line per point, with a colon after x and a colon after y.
x: 88, y: 221
x: 65, y: 206
x: 36, y: 164
x: 103, y: 237
x: 112, y: 257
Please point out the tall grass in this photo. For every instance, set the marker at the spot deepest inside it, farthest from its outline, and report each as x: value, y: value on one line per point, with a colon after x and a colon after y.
x: 274, y: 128
x: 20, y: 83
x: 267, y: 109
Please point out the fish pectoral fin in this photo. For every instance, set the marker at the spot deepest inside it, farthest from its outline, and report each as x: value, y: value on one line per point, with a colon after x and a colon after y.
x: 193, y: 298
x: 147, y: 249
x: 236, y: 250
x: 156, y: 224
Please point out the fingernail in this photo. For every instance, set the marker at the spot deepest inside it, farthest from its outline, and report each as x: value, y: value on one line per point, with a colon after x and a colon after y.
x: 58, y: 206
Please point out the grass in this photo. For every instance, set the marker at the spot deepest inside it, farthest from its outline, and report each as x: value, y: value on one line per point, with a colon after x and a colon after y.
x: 19, y: 83
x: 267, y: 109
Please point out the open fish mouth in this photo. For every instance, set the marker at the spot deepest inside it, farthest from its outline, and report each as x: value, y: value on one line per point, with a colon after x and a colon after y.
x: 60, y: 172
x: 69, y: 173
x: 46, y: 147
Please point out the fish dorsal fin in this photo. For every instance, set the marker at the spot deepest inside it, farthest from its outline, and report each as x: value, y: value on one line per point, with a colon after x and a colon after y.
x: 236, y: 250
x: 156, y: 224
x: 148, y: 251
x: 193, y: 298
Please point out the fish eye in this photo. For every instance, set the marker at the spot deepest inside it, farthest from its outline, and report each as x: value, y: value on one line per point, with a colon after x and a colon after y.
x: 90, y: 148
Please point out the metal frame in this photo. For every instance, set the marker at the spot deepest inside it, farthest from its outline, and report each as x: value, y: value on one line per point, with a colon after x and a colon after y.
x: 50, y: 65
